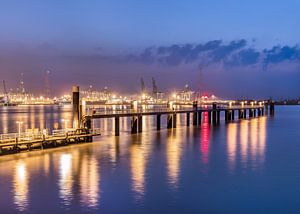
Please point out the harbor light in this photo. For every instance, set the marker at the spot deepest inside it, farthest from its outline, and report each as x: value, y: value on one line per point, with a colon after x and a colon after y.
x: 143, y: 96
x: 65, y: 121
x: 19, y: 126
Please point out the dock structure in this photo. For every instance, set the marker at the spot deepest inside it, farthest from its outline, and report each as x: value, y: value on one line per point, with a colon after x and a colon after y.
x: 213, y: 112
x: 27, y: 141
x: 82, y: 123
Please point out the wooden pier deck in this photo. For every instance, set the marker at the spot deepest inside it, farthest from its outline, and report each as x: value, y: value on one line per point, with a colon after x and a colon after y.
x: 17, y: 142
x: 213, y: 111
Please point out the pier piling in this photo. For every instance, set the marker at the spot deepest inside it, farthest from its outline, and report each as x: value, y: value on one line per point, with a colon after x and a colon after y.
x: 140, y: 123
x: 187, y: 119
x: 169, y: 121
x: 76, y: 107
x: 117, y: 126
x: 134, y: 125
x: 158, y: 117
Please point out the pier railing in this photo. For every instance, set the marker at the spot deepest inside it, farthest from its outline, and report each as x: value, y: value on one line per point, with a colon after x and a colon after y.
x: 181, y: 109
x: 36, y: 136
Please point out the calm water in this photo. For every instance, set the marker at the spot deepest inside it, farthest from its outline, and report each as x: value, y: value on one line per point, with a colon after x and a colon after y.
x: 251, y: 166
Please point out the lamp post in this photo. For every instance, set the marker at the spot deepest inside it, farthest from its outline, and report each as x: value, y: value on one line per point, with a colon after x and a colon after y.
x: 19, y: 126
x: 66, y: 123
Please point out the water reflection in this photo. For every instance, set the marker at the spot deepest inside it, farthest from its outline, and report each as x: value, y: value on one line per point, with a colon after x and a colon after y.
x: 205, y: 138
x: 251, y: 144
x: 173, y: 152
x: 138, y: 166
x: 65, y: 179
x: 20, y: 185
x: 89, y: 182
x: 244, y: 142
x: 232, y: 144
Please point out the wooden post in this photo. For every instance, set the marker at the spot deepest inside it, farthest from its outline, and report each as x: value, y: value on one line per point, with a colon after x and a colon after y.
x: 134, y: 124
x: 232, y: 115
x: 117, y: 126
x: 195, y: 108
x: 187, y: 119
x: 259, y: 112
x: 240, y: 113
x: 174, y: 120
x: 214, y: 113
x: 140, y: 125
x: 226, y: 116
x: 218, y: 116
x: 75, y: 104
x: 267, y: 108
x: 250, y: 112
x: 209, y: 117
x: 195, y: 118
x: 169, y: 121
x: 272, y: 108
x: 88, y: 126
x: 158, y: 121
x: 199, y: 117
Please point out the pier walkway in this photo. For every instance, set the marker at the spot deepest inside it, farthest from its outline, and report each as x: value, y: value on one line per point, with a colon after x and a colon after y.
x: 213, y: 111
x: 16, y: 142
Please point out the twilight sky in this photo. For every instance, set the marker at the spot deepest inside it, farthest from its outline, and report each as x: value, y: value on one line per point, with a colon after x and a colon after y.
x: 231, y: 48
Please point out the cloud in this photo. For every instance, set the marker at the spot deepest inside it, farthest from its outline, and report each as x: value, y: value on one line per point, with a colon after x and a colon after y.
x: 224, y: 51
x: 279, y: 54
x: 244, y: 57
x: 235, y: 53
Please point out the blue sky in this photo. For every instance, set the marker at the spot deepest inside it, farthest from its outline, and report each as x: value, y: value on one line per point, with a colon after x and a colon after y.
x: 138, y: 23
x: 40, y: 34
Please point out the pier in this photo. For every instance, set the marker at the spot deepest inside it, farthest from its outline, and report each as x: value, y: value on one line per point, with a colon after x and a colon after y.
x: 214, y: 116
x: 27, y: 141
x: 82, y: 130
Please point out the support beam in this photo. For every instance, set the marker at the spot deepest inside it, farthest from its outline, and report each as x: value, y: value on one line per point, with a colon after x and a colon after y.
x: 195, y: 118
x: 76, y: 107
x: 187, y: 119
x: 240, y: 114
x: 158, y: 117
x: 169, y: 121
x: 140, y: 123
x: 218, y: 116
x: 267, y: 108
x: 214, y: 114
x: 195, y: 114
x: 134, y: 125
x: 272, y: 108
x: 250, y: 113
x: 117, y: 126
x: 199, y: 117
x: 209, y: 117
x: 174, y: 120
x: 232, y: 115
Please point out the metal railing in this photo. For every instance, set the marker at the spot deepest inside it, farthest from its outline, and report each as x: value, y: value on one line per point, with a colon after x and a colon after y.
x: 202, y: 107
x: 31, y: 136
x: 24, y: 136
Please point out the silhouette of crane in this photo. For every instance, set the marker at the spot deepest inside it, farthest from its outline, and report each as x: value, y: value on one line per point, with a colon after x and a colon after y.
x: 5, y: 92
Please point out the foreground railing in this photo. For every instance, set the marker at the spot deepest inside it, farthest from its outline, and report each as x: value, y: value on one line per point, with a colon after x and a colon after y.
x: 42, y: 135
